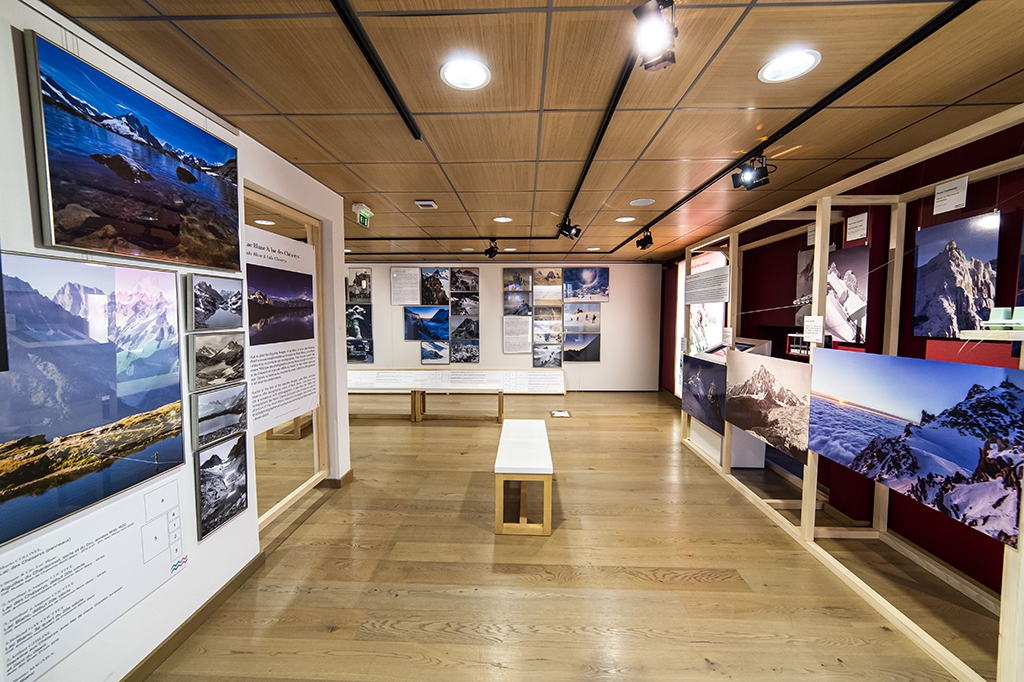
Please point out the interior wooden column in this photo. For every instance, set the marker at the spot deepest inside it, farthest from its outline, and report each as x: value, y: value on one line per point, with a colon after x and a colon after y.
x: 1010, y: 664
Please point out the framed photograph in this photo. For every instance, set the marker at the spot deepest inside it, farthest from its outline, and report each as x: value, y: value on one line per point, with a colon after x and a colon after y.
x: 434, y: 353
x: 582, y: 348
x: 426, y: 323
x: 517, y: 279
x: 547, y: 355
x: 214, y: 302
x: 216, y: 359
x: 93, y: 386
x: 280, y: 305
x: 466, y: 303
x: 434, y: 286
x: 517, y: 303
x: 585, y: 284
x: 464, y: 328
x: 358, y: 321
x: 582, y: 317
x: 358, y: 286
x: 547, y: 277
x: 703, y: 394
x: 360, y: 350
x: 547, y: 294
x: 218, y: 414
x: 222, y: 487
x: 119, y: 173
x: 465, y: 279
x: 465, y: 351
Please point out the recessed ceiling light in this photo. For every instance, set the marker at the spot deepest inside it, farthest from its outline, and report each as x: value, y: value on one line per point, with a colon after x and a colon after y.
x: 593, y: 248
x: 789, y: 66
x: 641, y: 202
x: 625, y: 219
x: 264, y: 222
x: 465, y: 74
x: 468, y: 248
x: 502, y: 219
x: 348, y: 250
x: 510, y: 248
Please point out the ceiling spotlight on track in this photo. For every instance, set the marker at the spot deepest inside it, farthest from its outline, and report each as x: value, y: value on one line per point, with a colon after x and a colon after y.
x: 656, y: 35
x: 567, y: 229
x: 645, y: 242
x: 752, y: 174
x: 492, y: 250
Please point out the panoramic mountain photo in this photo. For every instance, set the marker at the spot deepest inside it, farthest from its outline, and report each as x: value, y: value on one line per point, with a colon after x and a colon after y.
x: 216, y: 302
x: 465, y: 279
x: 948, y: 435
x: 704, y: 392
x: 128, y: 176
x: 585, y: 284
x: 218, y: 414
x: 221, y: 482
x: 217, y: 359
x: 91, y: 404
x: 955, y: 276
x: 426, y: 323
x: 434, y: 286
x: 434, y: 352
x: 280, y: 305
x: 769, y: 398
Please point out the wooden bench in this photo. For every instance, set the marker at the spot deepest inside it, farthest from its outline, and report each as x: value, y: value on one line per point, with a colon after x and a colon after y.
x: 523, y: 455
x: 418, y: 401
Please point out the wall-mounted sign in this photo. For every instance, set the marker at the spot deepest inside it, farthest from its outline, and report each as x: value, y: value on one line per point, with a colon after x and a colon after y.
x: 949, y: 196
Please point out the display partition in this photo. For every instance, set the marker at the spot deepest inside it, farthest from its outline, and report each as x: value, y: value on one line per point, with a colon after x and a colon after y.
x: 830, y: 206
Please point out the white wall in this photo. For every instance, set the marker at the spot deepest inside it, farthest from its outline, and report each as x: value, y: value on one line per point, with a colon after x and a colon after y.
x: 113, y: 652
x: 630, y: 326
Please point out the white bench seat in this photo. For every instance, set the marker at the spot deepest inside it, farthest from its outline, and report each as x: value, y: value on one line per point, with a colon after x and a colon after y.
x: 523, y: 455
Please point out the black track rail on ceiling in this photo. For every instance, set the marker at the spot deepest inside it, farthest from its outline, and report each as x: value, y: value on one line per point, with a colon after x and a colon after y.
x: 920, y: 35
x: 355, y: 27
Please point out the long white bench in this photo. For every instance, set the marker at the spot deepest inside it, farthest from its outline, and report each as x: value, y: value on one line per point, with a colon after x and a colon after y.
x: 523, y: 455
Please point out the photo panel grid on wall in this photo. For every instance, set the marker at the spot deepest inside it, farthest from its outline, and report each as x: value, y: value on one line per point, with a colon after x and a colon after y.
x: 359, y: 315
x: 547, y: 317
x: 464, y: 324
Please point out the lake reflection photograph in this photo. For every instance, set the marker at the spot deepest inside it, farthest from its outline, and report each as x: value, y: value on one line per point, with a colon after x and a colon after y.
x: 280, y: 305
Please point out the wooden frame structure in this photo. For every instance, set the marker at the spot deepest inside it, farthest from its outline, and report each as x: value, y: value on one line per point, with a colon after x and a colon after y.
x: 1010, y: 605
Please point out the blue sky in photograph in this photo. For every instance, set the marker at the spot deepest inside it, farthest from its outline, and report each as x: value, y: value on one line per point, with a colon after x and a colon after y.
x: 900, y: 386
x: 588, y: 277
x: 48, y: 276
x: 578, y: 341
x: 970, y: 236
x: 114, y: 98
x: 426, y: 311
x: 279, y: 283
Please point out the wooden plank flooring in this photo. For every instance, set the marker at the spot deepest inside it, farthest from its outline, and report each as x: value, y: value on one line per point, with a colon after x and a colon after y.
x: 656, y: 569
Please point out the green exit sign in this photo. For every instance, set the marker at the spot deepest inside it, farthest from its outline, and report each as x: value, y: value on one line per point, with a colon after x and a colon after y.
x: 364, y: 219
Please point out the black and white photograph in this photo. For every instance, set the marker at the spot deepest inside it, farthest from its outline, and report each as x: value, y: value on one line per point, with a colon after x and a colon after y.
x: 547, y: 277
x: 465, y: 351
x: 467, y: 303
x: 434, y: 286
x: 215, y: 302
x: 218, y: 414
x: 582, y: 348
x: 465, y: 279
x: 360, y: 350
x: 221, y: 483
x: 358, y: 289
x: 770, y: 399
x: 547, y: 355
x: 846, y: 303
x: 217, y: 359
x: 464, y: 328
x: 358, y: 321
x: 434, y: 353
x: 582, y: 317
x: 585, y: 284
x: 517, y: 303
x: 517, y: 279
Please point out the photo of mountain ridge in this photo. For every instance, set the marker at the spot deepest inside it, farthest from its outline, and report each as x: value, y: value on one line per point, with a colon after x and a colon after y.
x: 465, y: 328
x: 217, y: 359
x: 703, y: 394
x: 216, y: 302
x: 221, y: 484
x: 769, y: 398
x: 465, y: 351
x: 465, y: 279
x: 426, y: 323
x: 434, y: 353
x: 280, y: 305
x: 218, y: 414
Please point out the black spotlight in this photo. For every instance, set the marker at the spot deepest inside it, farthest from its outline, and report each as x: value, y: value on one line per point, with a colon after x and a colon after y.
x: 645, y: 242
x: 656, y: 35
x: 492, y: 250
x: 567, y: 229
x: 753, y: 174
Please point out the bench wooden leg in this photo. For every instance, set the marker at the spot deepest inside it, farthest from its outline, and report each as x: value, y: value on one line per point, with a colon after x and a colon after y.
x: 523, y: 527
x: 499, y: 504
x: 413, y: 406
x: 501, y: 407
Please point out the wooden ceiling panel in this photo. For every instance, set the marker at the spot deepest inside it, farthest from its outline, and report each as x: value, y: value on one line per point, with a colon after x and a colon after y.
x: 978, y: 48
x: 701, y: 31
x: 484, y: 220
x: 605, y: 175
x: 103, y: 8
x: 414, y: 48
x: 440, y: 5
x: 447, y: 202
x: 190, y: 8
x: 491, y: 177
x: 716, y: 133
x: 766, y: 201
x: 420, y: 246
x: 569, y: 135
x: 822, y: 177
x: 947, y: 121
x: 669, y: 175
x: 586, y: 54
x: 365, y: 139
x: 355, y: 232
x: 835, y: 133
x: 1008, y: 90
x: 281, y: 136
x: 164, y: 50
x: 481, y: 137
x: 507, y: 232
x: 718, y: 198
x: 436, y: 219
x: 384, y: 220
x: 556, y: 202
x: 402, y: 177
x: 447, y: 233
x: 849, y: 37
x: 301, y: 66
x: 620, y: 200
x: 497, y: 203
x: 629, y: 133
x: 608, y: 217
x: 337, y: 177
x: 381, y: 230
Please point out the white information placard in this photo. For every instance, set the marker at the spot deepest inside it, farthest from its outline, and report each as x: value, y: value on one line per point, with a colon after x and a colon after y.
x: 405, y: 286
x: 812, y: 230
x: 518, y: 336
x: 61, y: 587
x: 282, y: 356
x: 711, y: 286
x: 949, y: 196
x: 814, y: 328
x: 857, y: 227
x: 727, y: 336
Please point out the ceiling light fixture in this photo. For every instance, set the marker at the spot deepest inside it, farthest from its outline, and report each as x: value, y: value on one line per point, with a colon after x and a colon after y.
x: 502, y: 219
x: 789, y: 66
x: 656, y: 35
x: 593, y: 248
x: 752, y: 174
x: 509, y: 248
x: 641, y: 202
x: 467, y: 248
x: 645, y: 242
x: 492, y: 250
x: 348, y: 250
x: 625, y: 219
x: 425, y: 203
x: 567, y: 229
x: 465, y: 74
x: 264, y: 222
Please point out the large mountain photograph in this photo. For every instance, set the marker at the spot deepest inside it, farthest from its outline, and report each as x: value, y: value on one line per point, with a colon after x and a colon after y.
x: 948, y: 435
x: 703, y: 395
x: 769, y: 398
x: 127, y: 176
x: 91, y: 404
x: 280, y: 305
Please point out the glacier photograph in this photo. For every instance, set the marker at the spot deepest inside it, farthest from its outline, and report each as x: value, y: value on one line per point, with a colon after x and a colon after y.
x: 217, y: 359
x: 948, y: 435
x: 465, y: 351
x: 465, y: 279
x: 434, y: 352
x: 769, y: 398
x: 703, y: 394
x: 280, y: 305
x: 426, y: 323
x: 548, y: 355
x: 221, y: 484
x: 216, y: 302
x: 218, y: 414
x: 127, y: 176
x: 91, y: 403
x: 955, y: 276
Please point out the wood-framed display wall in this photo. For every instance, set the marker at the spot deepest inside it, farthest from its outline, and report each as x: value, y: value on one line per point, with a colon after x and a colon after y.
x: 821, y: 210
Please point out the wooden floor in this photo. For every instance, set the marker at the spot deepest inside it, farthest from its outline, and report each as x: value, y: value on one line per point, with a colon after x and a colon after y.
x: 656, y: 570
x: 281, y: 467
